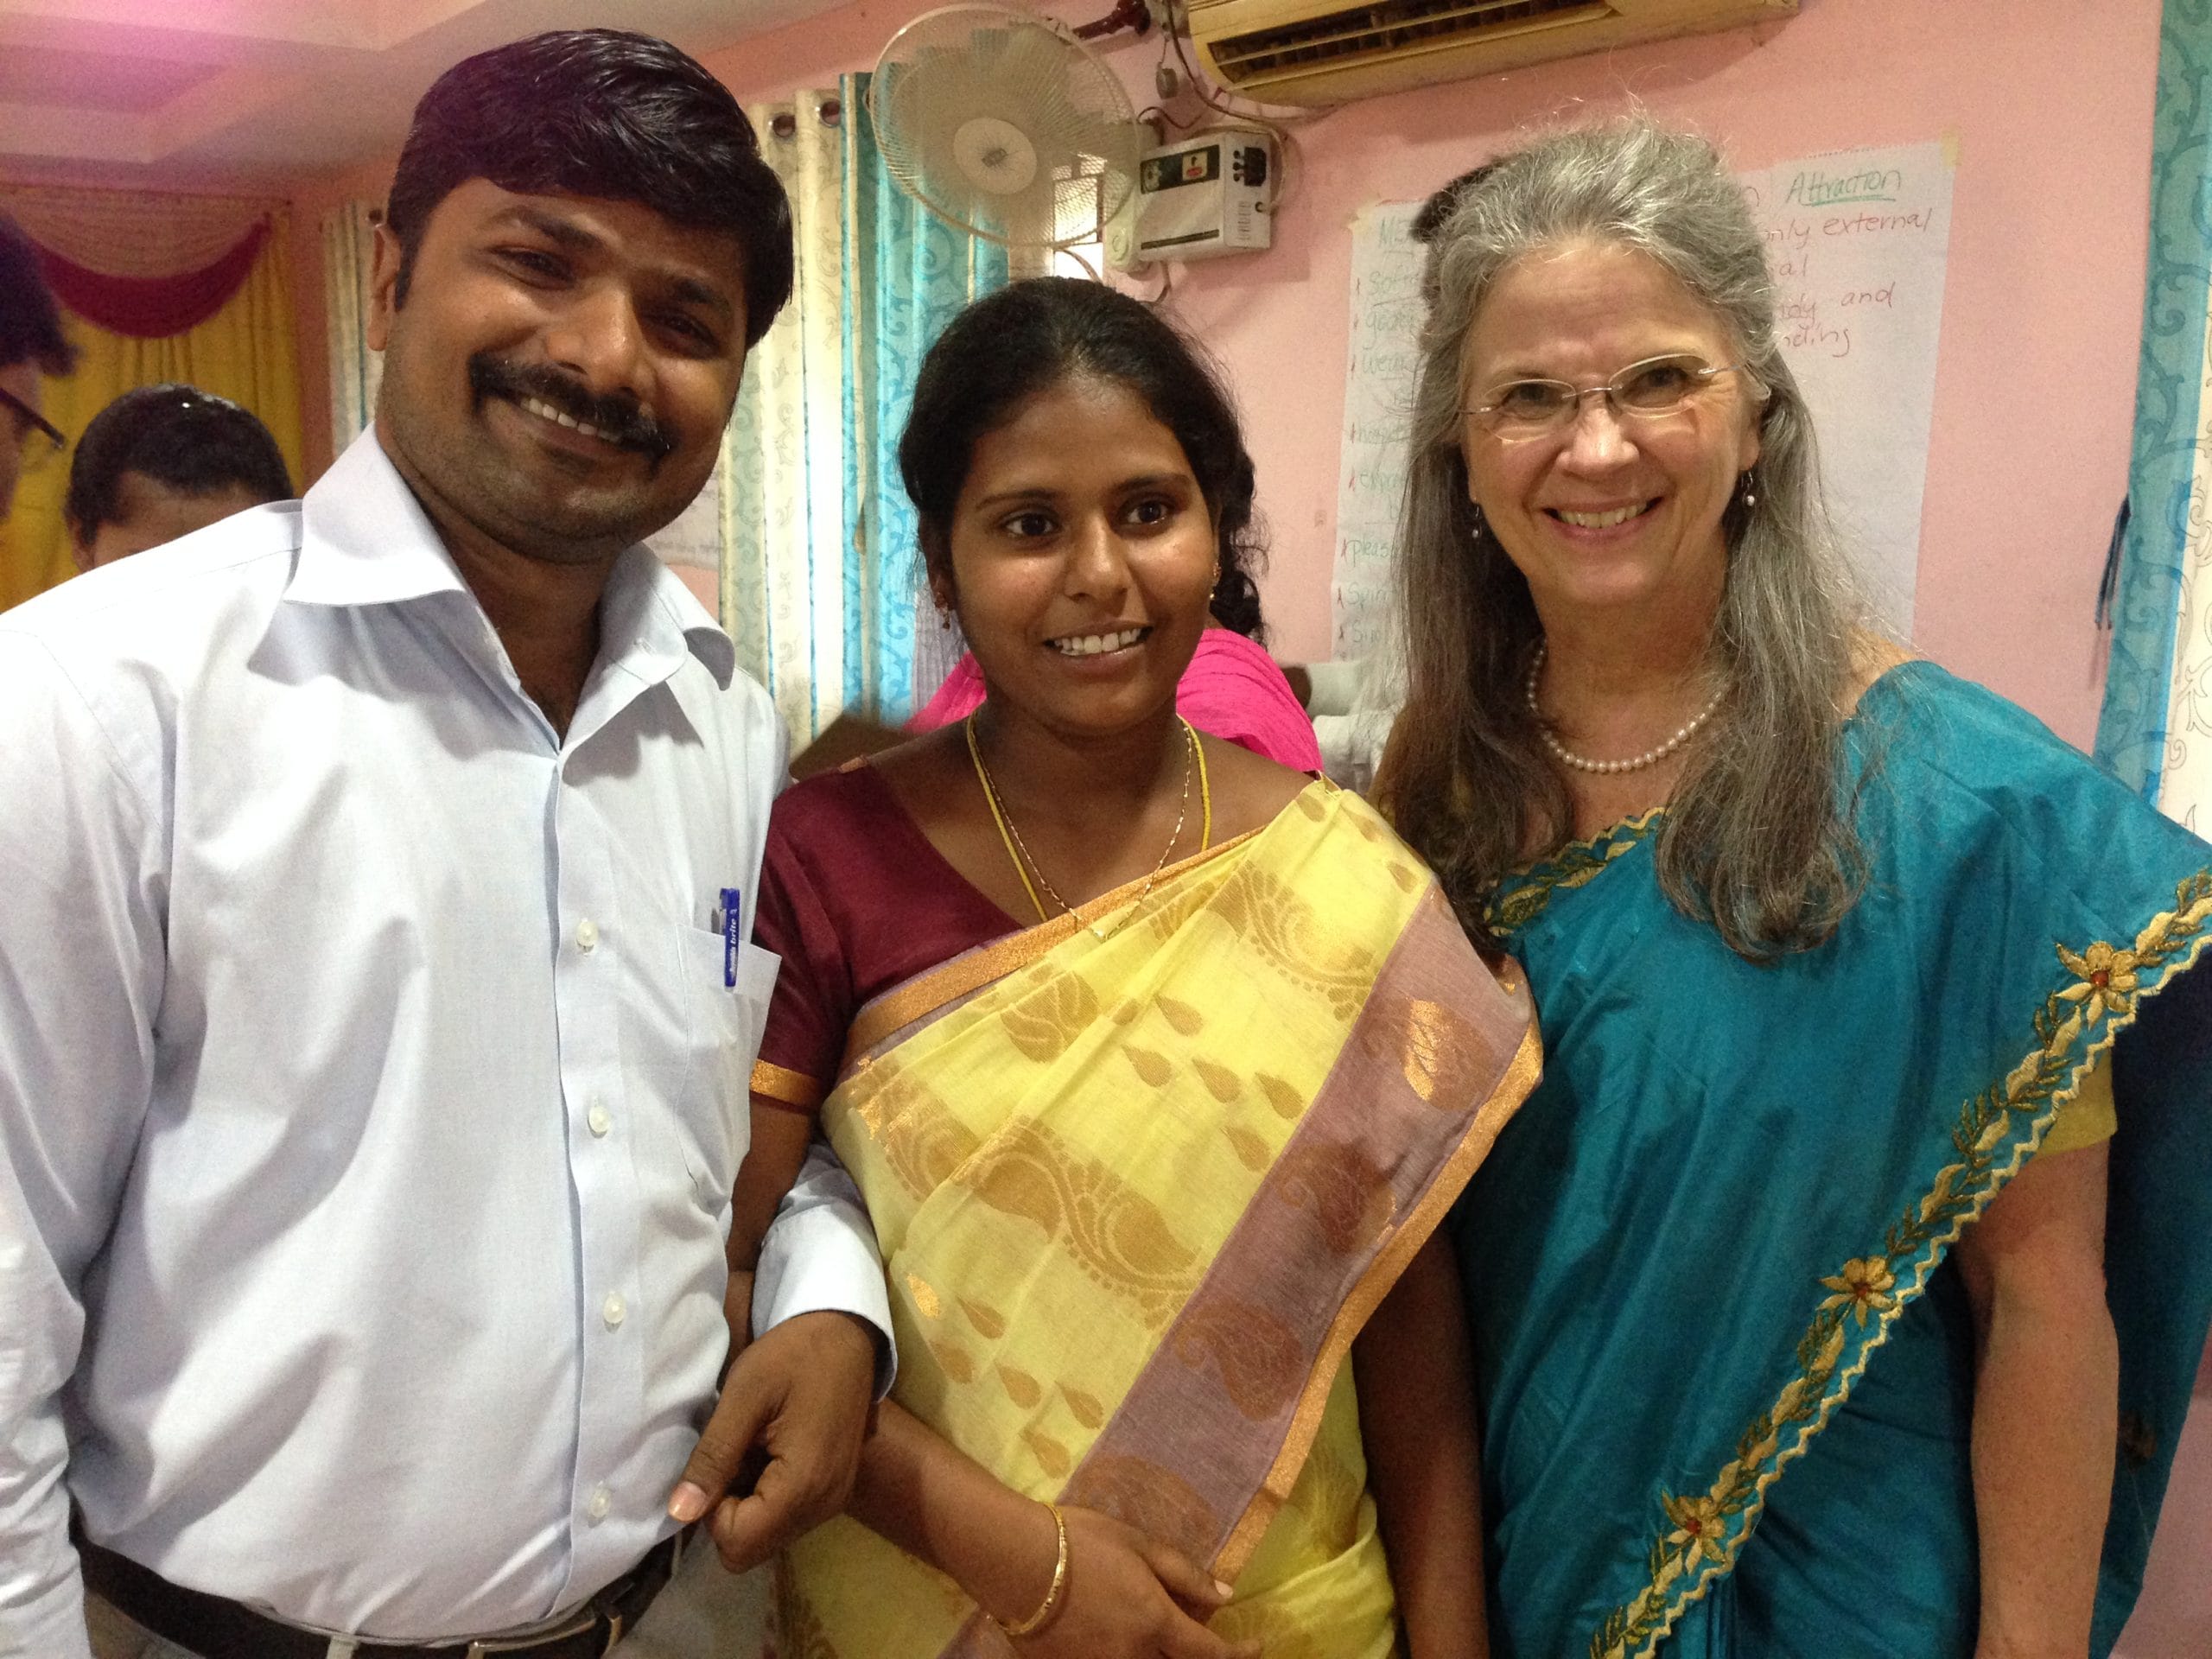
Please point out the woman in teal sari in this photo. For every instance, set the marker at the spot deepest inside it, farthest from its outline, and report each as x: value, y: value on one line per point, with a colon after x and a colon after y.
x: 1839, y: 1290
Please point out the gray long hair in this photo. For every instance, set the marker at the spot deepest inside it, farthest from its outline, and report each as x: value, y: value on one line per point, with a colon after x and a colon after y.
x: 1754, y: 840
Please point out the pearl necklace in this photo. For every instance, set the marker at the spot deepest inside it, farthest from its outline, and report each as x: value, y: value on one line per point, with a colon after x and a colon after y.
x: 1565, y: 756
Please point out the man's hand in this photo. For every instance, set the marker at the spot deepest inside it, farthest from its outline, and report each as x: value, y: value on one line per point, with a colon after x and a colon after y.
x: 797, y: 1402
x: 737, y: 1314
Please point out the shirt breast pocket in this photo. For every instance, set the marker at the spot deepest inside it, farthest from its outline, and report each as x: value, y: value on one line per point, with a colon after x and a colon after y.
x: 727, y: 1021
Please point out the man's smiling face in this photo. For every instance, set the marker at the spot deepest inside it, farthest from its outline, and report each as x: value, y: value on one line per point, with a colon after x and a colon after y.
x: 560, y: 368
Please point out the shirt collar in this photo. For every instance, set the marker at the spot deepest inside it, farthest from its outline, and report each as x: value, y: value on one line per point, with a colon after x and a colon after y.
x: 365, y: 540
x: 648, y: 617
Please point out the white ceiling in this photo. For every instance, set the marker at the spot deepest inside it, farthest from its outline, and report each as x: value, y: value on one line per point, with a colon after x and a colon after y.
x: 254, y: 91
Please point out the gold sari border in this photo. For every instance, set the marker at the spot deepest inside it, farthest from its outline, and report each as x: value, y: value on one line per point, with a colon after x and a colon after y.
x: 937, y: 990
x: 779, y: 1086
x: 1619, y: 828
x: 1523, y: 894
x: 1520, y: 1080
x: 1696, y: 1530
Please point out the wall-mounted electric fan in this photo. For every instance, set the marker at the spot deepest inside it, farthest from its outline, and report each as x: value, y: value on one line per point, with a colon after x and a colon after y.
x: 1005, y: 126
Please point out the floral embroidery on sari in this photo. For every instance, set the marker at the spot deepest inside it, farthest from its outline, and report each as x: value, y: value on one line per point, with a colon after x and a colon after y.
x: 1701, y: 1535
x: 1520, y: 895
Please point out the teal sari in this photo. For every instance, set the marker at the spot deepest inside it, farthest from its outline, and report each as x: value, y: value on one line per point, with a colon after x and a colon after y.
x: 1726, y: 1375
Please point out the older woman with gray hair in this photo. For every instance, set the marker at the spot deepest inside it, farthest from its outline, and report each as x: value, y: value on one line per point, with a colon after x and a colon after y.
x: 1788, y: 1285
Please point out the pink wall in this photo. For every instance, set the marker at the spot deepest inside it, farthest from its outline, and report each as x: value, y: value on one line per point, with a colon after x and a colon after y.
x: 2050, y: 102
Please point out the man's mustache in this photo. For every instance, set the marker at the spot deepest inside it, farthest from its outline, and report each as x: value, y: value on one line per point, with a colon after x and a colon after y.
x: 621, y: 419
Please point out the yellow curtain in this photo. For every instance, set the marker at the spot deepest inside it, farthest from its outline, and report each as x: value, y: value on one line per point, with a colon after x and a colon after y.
x: 247, y: 352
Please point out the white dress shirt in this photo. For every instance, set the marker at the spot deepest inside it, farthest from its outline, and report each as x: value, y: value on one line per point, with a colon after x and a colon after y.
x: 371, y: 1087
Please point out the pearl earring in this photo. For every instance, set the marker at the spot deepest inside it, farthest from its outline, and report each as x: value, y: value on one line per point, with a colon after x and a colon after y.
x: 1750, y: 491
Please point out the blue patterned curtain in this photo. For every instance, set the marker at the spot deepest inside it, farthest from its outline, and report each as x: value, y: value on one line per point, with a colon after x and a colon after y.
x: 2167, y: 528
x: 821, y: 585
x: 923, y: 272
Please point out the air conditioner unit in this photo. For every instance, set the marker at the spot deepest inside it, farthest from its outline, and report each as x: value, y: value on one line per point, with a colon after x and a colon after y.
x: 1326, y: 52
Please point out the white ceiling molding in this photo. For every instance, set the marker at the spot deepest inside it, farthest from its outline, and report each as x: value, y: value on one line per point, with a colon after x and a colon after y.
x: 254, y: 91
x: 340, y: 25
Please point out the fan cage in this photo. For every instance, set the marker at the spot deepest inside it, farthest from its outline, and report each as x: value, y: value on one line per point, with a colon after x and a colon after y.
x: 962, y: 63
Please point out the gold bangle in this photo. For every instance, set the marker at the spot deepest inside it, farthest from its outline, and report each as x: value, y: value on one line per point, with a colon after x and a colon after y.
x: 1035, y: 1621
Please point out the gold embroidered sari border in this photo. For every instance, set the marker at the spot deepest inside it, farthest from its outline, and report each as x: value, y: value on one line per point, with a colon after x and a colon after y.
x: 1521, y: 896
x: 1419, y: 1226
x: 786, y: 1087
x: 1635, y: 1630
x: 1618, y: 830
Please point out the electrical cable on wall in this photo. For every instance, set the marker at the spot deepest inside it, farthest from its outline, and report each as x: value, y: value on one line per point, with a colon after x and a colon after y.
x: 1279, y: 124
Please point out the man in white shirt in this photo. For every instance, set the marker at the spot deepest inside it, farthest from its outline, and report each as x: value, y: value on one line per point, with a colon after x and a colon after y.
x: 375, y: 1002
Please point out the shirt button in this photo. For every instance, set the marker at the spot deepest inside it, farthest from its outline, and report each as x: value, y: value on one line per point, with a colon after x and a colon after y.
x: 586, y: 934
x: 601, y: 1501
x: 613, y: 1309
x: 597, y: 1117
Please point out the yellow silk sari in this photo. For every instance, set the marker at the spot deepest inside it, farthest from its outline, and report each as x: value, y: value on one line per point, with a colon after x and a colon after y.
x: 1136, y: 1196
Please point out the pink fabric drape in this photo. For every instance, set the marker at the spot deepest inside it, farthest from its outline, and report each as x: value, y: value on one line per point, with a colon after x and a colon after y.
x: 152, y: 307
x: 1233, y: 689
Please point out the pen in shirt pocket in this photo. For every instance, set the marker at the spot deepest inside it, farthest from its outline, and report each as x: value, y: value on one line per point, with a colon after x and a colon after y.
x: 732, y: 920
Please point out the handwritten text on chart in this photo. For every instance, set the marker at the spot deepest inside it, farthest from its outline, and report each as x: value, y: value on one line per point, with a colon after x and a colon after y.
x: 1386, y: 318
x: 1813, y: 187
x: 1857, y: 244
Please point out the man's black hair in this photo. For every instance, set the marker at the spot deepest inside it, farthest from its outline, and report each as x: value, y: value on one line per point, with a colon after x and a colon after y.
x: 31, y: 322
x: 600, y: 112
x: 189, y: 441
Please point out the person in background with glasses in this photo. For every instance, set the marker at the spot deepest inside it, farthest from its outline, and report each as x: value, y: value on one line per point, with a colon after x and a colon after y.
x: 31, y: 344
x: 1839, y: 1289
x: 161, y: 461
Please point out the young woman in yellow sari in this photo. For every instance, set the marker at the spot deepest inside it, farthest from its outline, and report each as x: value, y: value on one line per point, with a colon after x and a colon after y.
x: 1158, y: 1066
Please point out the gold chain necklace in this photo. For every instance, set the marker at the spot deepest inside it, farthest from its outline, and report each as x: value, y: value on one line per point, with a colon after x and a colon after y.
x: 1023, y: 861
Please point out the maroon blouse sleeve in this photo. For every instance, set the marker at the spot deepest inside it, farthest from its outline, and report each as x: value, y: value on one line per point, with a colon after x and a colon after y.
x: 813, y: 1005
x: 855, y: 900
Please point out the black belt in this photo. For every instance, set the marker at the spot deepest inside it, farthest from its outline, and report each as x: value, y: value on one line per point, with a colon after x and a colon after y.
x: 216, y: 1629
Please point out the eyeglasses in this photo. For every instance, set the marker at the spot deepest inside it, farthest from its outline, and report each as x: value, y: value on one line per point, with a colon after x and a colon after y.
x: 1657, y: 387
x: 28, y: 421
